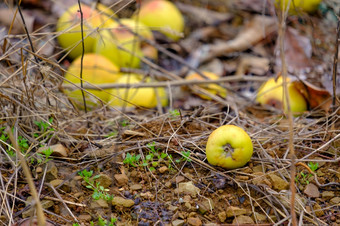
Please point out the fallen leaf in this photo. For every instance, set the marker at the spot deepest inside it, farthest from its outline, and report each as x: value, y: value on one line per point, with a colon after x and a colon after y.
x: 316, y: 97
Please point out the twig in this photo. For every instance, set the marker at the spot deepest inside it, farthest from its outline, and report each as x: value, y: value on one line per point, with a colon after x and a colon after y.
x: 290, y: 114
x: 82, y: 56
x: 40, y: 213
x: 335, y: 62
x: 166, y: 83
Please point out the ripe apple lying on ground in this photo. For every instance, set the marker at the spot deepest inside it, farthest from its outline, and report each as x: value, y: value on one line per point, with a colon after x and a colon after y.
x: 162, y: 16
x: 297, y: 6
x: 212, y: 88
x: 271, y: 93
x: 120, y: 46
x: 144, y: 31
x: 96, y: 70
x: 144, y: 97
x: 229, y: 146
x: 69, y: 25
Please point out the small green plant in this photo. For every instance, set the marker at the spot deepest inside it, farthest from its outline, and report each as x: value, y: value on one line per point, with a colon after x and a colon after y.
x: 185, y: 157
x: 174, y: 113
x: 99, y: 192
x: 45, y: 154
x: 104, y: 222
x: 131, y: 159
x: 124, y: 123
x: 112, y: 134
x: 23, y: 144
x: 75, y: 224
x: 44, y: 128
x: 313, y: 166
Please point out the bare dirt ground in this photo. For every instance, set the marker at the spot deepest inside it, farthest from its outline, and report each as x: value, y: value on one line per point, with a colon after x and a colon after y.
x: 139, y: 166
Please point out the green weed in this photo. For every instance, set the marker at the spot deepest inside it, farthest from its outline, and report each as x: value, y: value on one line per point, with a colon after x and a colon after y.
x: 313, y: 166
x: 99, y: 192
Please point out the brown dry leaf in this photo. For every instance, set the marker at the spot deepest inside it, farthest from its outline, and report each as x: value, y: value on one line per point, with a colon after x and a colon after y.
x: 316, y: 97
x: 255, y: 31
x: 298, y: 50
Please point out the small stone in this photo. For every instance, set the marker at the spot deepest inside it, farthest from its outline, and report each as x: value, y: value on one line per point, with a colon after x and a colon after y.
x: 78, y: 194
x: 179, y: 179
x: 178, y: 222
x: 147, y: 195
x: 119, y: 201
x: 335, y: 201
x: 243, y: 220
x: 65, y: 187
x: 327, y: 194
x: 187, y: 188
x: 205, y: 206
x: 85, y: 217
x: 136, y: 187
x: 168, y: 184
x: 39, y: 169
x: 58, y: 150
x: 163, y: 169
x: 173, y: 208
x: 311, y: 190
x: 317, y: 209
x: 260, y: 217
x: 104, y: 180
x: 121, y: 179
x: 195, y: 221
x: 222, y: 216
x: 278, y: 183
x: 235, y: 211
x: 102, y: 203
x: 51, y: 172
x: 187, y: 205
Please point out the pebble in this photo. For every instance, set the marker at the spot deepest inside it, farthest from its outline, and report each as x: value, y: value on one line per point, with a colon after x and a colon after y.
x: 136, y: 187
x: 335, y: 201
x: 187, y: 188
x: 178, y: 222
x: 121, y: 179
x: 119, y: 201
x: 235, y: 211
x: 222, y: 216
x: 179, y: 179
x: 243, y: 220
x: 278, y: 183
x: 58, y: 150
x: 104, y: 180
x: 311, y: 190
x: 194, y: 221
x: 163, y: 169
x: 85, y: 217
x: 327, y: 194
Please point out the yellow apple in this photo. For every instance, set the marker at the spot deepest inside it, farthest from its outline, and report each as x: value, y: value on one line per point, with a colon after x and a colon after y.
x: 144, y: 31
x: 212, y: 88
x: 229, y: 146
x: 70, y: 29
x: 144, y: 97
x: 163, y: 16
x: 271, y: 93
x: 120, y: 46
x: 297, y: 6
x: 96, y: 70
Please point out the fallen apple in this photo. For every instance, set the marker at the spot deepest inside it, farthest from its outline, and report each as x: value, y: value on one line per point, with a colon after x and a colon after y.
x: 144, y: 31
x: 163, y: 16
x: 120, y: 46
x: 96, y: 70
x: 144, y: 97
x: 296, y: 6
x: 271, y: 93
x: 212, y: 88
x: 229, y: 146
x: 70, y: 28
